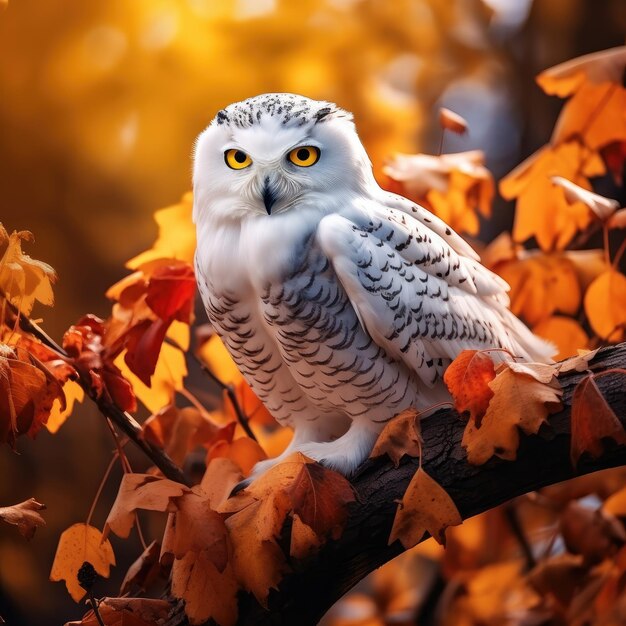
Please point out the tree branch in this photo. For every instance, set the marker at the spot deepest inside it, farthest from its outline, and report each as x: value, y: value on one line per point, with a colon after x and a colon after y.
x: 314, y: 586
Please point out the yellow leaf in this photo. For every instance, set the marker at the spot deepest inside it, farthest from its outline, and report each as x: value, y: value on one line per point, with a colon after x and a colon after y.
x: 73, y: 393
x: 168, y: 377
x: 177, y: 235
x: 215, y: 356
x: 78, y: 544
x: 425, y: 508
x: 605, y: 305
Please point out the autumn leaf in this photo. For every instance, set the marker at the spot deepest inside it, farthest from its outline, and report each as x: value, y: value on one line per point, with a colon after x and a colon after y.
x: 244, y: 451
x: 467, y: 379
x: 23, y: 280
x: 601, y: 206
x: 455, y: 187
x: 558, y: 221
x: 25, y: 516
x: 520, y: 402
x: 592, y: 421
x: 140, y: 491
x: 177, y: 235
x: 605, y: 305
x: 565, y: 332
x: 297, y: 486
x: 78, y: 544
x: 618, y: 219
x: 541, y: 284
x: 425, y: 508
x: 27, y: 393
x: 197, y: 542
x: 220, y: 477
x: 400, y: 436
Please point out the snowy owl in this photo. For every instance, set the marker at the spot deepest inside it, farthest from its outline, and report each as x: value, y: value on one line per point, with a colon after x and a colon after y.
x: 342, y: 304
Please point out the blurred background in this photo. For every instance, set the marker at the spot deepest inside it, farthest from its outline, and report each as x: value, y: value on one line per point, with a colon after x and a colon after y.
x: 100, y: 103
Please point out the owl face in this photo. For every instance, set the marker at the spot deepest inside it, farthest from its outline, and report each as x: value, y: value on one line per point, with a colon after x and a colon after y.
x: 276, y: 153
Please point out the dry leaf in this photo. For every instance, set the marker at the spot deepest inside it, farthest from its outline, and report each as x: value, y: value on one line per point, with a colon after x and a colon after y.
x: 220, y: 477
x: 519, y: 402
x: 245, y: 452
x: 127, y: 612
x: 467, y: 379
x: 22, y: 279
x: 25, y: 516
x: 140, y: 491
x: 425, y: 508
x: 400, y: 436
x: 144, y: 571
x: 592, y: 421
x: 449, y: 120
x: 601, y: 206
x: 78, y: 544
x: 605, y: 305
x: 578, y: 363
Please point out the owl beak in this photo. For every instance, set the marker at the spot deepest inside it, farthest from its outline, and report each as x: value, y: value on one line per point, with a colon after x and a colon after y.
x: 269, y: 197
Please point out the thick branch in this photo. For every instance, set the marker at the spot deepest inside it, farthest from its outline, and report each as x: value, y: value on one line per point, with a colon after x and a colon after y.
x: 306, y: 594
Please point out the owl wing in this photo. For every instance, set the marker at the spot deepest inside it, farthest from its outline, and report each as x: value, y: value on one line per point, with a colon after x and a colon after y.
x: 422, y: 295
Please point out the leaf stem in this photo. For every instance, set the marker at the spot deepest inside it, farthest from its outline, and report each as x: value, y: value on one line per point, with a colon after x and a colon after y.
x: 94, y: 607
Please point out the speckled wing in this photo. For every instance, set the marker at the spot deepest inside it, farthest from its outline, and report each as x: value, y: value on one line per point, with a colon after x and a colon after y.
x: 420, y: 292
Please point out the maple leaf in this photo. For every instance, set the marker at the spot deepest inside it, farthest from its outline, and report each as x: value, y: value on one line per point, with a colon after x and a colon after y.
x: 541, y: 284
x: 78, y: 544
x: 453, y: 186
x: 520, y: 402
x: 27, y: 393
x: 425, y: 508
x: 530, y: 182
x: 25, y: 516
x: 400, y: 436
x: 140, y: 491
x: 202, y: 575
x: 605, y: 305
x: 566, y: 333
x: 592, y: 421
x: 220, y: 477
x: 177, y: 235
x: 148, y: 302
x: 467, y: 379
x: 297, y: 486
x: 22, y: 279
x: 73, y: 393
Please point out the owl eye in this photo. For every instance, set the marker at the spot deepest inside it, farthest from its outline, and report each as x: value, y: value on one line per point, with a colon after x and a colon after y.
x: 237, y: 159
x: 304, y: 156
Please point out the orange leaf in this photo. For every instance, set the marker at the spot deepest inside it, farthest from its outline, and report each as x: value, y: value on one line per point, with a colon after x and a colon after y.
x: 140, y: 491
x: 618, y: 219
x: 78, y: 544
x: 25, y: 516
x: 449, y: 120
x: 221, y: 475
x: 425, y: 508
x: 245, y: 452
x: 592, y: 421
x: 605, y: 305
x: 400, y: 436
x: 565, y: 332
x: 127, y: 612
x: 468, y: 378
x: 601, y: 206
x: 144, y: 571
x: 520, y: 401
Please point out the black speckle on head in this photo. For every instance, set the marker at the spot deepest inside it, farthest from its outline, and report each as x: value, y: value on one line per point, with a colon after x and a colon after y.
x: 290, y: 109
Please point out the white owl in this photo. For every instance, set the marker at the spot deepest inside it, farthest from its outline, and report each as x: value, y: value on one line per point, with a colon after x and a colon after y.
x: 342, y: 304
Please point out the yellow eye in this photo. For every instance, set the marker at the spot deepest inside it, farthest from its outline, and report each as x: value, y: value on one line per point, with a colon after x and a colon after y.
x: 236, y: 159
x: 304, y: 156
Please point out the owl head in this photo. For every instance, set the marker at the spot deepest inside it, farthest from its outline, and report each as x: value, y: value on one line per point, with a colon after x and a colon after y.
x: 276, y: 153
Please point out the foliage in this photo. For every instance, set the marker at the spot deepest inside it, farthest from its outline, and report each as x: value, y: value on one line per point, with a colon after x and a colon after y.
x: 215, y: 547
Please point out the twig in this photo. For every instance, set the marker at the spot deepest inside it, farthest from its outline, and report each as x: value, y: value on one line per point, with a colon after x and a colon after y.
x: 123, y: 420
x: 94, y: 607
x: 242, y: 418
x: 510, y: 514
